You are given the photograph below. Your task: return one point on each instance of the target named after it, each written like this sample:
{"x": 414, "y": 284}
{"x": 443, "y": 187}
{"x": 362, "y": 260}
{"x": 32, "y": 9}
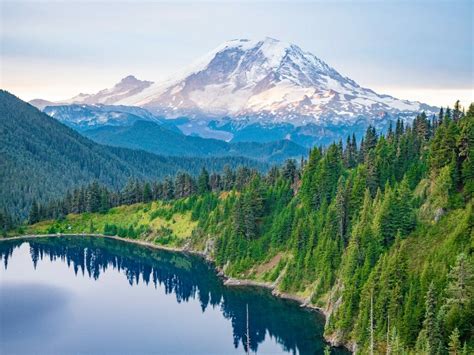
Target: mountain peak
{"x": 132, "y": 80}
{"x": 254, "y": 44}
{"x": 258, "y": 79}
{"x": 129, "y": 79}
{"x": 250, "y": 42}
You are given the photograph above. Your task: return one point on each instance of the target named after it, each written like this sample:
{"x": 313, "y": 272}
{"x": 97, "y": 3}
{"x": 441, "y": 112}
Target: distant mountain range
{"x": 136, "y": 128}
{"x": 264, "y": 84}
{"x": 84, "y": 116}
{"x": 156, "y": 138}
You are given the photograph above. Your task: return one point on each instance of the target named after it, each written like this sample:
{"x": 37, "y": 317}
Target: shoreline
{"x": 227, "y": 280}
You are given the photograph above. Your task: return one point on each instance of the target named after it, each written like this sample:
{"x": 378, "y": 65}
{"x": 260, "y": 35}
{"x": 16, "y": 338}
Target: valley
{"x": 382, "y": 230}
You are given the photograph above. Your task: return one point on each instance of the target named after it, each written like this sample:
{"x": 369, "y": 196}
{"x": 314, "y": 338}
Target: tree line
{"x": 379, "y": 232}
{"x": 96, "y": 197}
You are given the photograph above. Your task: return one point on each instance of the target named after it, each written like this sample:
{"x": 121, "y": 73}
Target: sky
{"x": 418, "y": 50}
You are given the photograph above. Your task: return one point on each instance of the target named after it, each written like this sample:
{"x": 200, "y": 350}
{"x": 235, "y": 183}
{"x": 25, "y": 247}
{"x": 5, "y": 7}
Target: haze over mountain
{"x": 158, "y": 139}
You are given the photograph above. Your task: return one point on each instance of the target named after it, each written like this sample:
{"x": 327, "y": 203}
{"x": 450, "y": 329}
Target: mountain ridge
{"x": 262, "y": 80}
{"x": 157, "y": 139}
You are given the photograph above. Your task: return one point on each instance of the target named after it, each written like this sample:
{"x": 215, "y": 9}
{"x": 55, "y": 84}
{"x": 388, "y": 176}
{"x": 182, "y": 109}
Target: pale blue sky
{"x": 411, "y": 49}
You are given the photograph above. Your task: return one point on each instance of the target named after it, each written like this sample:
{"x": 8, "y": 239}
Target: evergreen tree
{"x": 215, "y": 182}
{"x": 454, "y": 345}
{"x": 6, "y": 222}
{"x": 458, "y": 311}
{"x": 168, "y": 189}
{"x": 440, "y": 116}
{"x": 228, "y": 179}
{"x": 203, "y": 182}
{"x": 457, "y": 111}
{"x": 147, "y": 193}
{"x": 399, "y": 129}
{"x": 370, "y": 141}
{"x": 289, "y": 170}
{"x": 34, "y": 215}
{"x": 93, "y": 196}
{"x": 242, "y": 177}
{"x": 430, "y": 337}
{"x": 465, "y": 145}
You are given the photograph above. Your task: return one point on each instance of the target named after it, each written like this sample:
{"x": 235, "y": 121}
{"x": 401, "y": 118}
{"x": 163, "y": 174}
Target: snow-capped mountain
{"x": 266, "y": 81}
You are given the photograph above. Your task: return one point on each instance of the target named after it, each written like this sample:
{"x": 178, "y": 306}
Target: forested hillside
{"x": 41, "y": 158}
{"x": 379, "y": 235}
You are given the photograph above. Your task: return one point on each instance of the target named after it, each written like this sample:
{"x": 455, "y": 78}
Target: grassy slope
{"x": 180, "y": 224}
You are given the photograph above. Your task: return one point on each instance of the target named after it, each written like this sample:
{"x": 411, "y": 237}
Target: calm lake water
{"x": 90, "y": 295}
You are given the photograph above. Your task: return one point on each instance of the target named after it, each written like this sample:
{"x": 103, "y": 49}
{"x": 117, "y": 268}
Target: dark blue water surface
{"x": 94, "y": 295}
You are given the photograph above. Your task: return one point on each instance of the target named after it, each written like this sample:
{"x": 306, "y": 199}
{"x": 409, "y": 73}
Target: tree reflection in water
{"x": 187, "y": 277}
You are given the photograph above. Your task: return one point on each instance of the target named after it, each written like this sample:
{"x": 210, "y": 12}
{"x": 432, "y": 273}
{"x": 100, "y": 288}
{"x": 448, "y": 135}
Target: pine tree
{"x": 465, "y": 145}
{"x": 396, "y": 347}
{"x": 390, "y": 133}
{"x": 454, "y": 345}
{"x": 6, "y": 222}
{"x": 168, "y": 189}
{"x": 372, "y": 173}
{"x": 242, "y": 177}
{"x": 440, "y": 116}
{"x": 289, "y": 170}
{"x": 147, "y": 193}
{"x": 34, "y": 215}
{"x": 447, "y": 115}
{"x": 457, "y": 112}
{"x": 370, "y": 140}
{"x": 228, "y": 178}
{"x": 309, "y": 187}
{"x": 215, "y": 182}
{"x": 105, "y": 202}
{"x": 93, "y": 197}
{"x": 458, "y": 310}
{"x": 203, "y": 182}
{"x": 372, "y": 330}
{"x": 342, "y": 206}
{"x": 399, "y": 129}
{"x": 430, "y": 323}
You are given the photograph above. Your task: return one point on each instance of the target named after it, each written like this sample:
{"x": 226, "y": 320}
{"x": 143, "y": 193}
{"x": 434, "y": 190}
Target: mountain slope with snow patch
{"x": 266, "y": 81}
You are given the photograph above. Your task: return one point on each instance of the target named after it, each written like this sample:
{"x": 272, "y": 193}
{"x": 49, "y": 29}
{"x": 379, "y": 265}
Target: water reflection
{"x": 186, "y": 277}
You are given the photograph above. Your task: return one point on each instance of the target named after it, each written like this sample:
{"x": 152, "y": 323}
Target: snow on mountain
{"x": 266, "y": 81}
{"x": 83, "y": 116}
{"x": 127, "y": 87}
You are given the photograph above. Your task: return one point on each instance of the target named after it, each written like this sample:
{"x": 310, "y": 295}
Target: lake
{"x": 97, "y": 295}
